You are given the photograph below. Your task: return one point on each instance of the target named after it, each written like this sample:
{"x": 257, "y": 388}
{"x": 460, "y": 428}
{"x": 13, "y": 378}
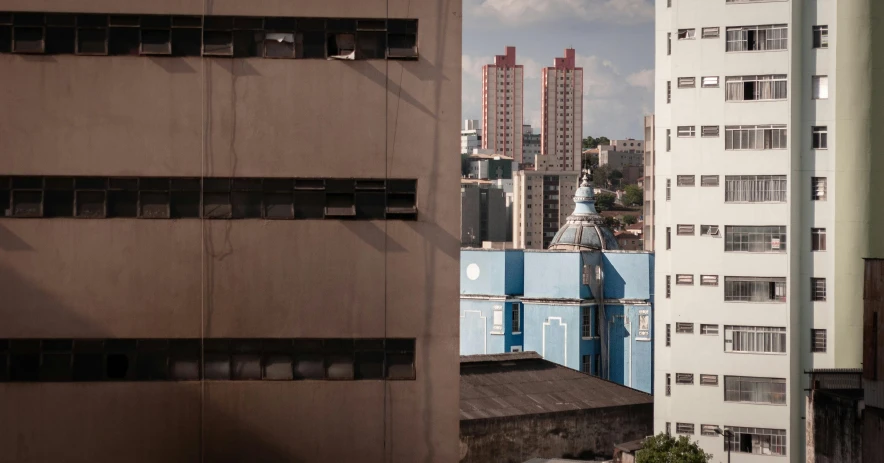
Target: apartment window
{"x": 817, "y": 289}
{"x": 710, "y": 33}
{"x": 684, "y": 279}
{"x": 687, "y": 82}
{"x": 686, "y": 34}
{"x": 668, "y": 287}
{"x": 754, "y": 289}
{"x": 89, "y": 360}
{"x": 685, "y": 230}
{"x": 820, "y": 87}
{"x": 708, "y": 380}
{"x": 755, "y": 88}
{"x": 709, "y": 330}
{"x": 668, "y": 384}
{"x": 817, "y": 239}
{"x": 686, "y": 131}
{"x": 668, "y": 139}
{"x": 587, "y": 364}
{"x": 668, "y": 428}
{"x": 820, "y": 36}
{"x": 708, "y": 180}
{"x": 684, "y": 180}
{"x": 755, "y": 238}
{"x": 709, "y": 280}
{"x": 755, "y": 137}
{"x": 586, "y": 321}
{"x": 817, "y": 340}
{"x": 684, "y": 428}
{"x": 668, "y": 189}
{"x": 708, "y": 429}
{"x": 755, "y": 339}
{"x": 755, "y": 390}
{"x": 668, "y": 237}
{"x": 818, "y": 188}
{"x": 709, "y": 81}
{"x": 756, "y": 440}
{"x": 709, "y": 131}
{"x": 757, "y": 38}
{"x": 684, "y": 378}
{"x": 668, "y": 335}
{"x": 684, "y": 328}
{"x": 755, "y": 189}
{"x": 516, "y": 318}
{"x": 211, "y": 198}
{"x": 820, "y": 138}
{"x": 668, "y": 91}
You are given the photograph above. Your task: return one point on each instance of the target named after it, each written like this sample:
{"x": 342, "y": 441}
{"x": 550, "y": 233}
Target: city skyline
{"x": 614, "y": 44}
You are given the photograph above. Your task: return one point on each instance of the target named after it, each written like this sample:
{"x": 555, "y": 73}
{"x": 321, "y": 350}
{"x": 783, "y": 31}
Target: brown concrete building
{"x": 184, "y": 219}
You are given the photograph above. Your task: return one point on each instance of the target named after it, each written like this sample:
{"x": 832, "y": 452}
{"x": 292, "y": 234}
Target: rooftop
{"x": 523, "y": 383}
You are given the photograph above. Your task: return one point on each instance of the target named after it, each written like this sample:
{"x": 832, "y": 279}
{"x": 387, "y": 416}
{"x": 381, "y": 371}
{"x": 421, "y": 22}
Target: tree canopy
{"x": 604, "y": 201}
{"x": 664, "y": 448}
{"x": 633, "y": 196}
{"x": 630, "y": 219}
{"x": 590, "y": 142}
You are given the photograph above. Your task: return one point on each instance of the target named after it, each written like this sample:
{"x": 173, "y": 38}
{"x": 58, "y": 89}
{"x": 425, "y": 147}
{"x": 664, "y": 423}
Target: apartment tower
{"x": 195, "y": 264}
{"x": 502, "y": 108}
{"x": 648, "y": 186}
{"x": 765, "y": 158}
{"x": 543, "y": 196}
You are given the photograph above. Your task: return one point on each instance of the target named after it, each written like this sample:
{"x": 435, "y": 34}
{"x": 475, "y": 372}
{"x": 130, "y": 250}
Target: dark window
{"x": 61, "y": 39}
{"x": 156, "y": 41}
{"x": 402, "y": 39}
{"x": 186, "y": 42}
{"x": 124, "y": 41}
{"x": 28, "y": 39}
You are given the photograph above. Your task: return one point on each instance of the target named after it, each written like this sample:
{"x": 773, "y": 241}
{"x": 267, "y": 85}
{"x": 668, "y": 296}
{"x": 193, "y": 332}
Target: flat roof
{"x": 523, "y": 383}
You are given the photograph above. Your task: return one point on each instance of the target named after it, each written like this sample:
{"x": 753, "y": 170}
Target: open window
{"x": 5, "y": 32}
{"x": 61, "y": 34}
{"x": 153, "y": 198}
{"x": 308, "y": 360}
{"x": 245, "y": 198}
{"x": 184, "y": 359}
{"x": 216, "y": 198}
{"x": 402, "y": 199}
{"x": 370, "y": 199}
{"x": 152, "y": 361}
{"x": 279, "y": 38}
{"x": 341, "y": 39}
{"x": 309, "y": 198}
{"x": 400, "y": 359}
{"x": 92, "y": 34}
{"x": 245, "y": 359}
{"x": 124, "y": 37}
{"x": 58, "y": 199}
{"x": 185, "y": 198}
{"x": 248, "y": 37}
{"x": 371, "y": 38}
{"x": 187, "y": 35}
{"x": 90, "y": 197}
{"x": 402, "y": 39}
{"x": 27, "y": 197}
{"x": 311, "y": 33}
{"x": 218, "y": 36}
{"x": 122, "y": 197}
{"x": 278, "y": 201}
{"x": 369, "y": 359}
{"x": 339, "y": 359}
{"x": 277, "y": 360}
{"x": 339, "y": 199}
{"x": 216, "y": 359}
{"x": 28, "y": 33}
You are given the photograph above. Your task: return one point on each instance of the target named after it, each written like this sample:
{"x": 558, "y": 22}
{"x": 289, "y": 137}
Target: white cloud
{"x": 643, "y": 79}
{"x": 472, "y": 65}
{"x": 529, "y": 11}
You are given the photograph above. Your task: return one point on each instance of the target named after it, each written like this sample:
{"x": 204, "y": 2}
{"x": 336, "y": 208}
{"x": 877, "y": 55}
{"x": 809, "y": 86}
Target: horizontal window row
{"x": 208, "y": 197}
{"x": 219, "y": 36}
{"x": 750, "y": 188}
{"x": 744, "y": 38}
{"x": 66, "y": 360}
{"x": 758, "y": 441}
{"x": 749, "y": 339}
{"x": 752, "y": 289}
{"x": 755, "y": 137}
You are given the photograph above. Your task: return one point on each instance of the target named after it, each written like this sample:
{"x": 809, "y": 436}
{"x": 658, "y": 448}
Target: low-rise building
{"x": 628, "y": 241}
{"x": 516, "y": 406}
{"x": 483, "y": 212}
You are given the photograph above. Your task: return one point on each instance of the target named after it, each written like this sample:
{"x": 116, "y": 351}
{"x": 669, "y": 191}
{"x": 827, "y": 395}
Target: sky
{"x": 614, "y": 40}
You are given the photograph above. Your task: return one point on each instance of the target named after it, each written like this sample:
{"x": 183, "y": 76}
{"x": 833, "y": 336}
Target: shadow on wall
{"x": 615, "y": 285}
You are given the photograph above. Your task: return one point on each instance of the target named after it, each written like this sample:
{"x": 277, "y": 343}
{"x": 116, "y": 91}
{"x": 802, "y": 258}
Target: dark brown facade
{"x": 209, "y": 278}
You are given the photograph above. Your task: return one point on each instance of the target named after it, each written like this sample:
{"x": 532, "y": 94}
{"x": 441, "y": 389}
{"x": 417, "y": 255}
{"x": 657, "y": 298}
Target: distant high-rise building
{"x": 562, "y": 115}
{"x": 649, "y": 181}
{"x": 502, "y": 95}
{"x": 768, "y": 118}
{"x": 470, "y": 136}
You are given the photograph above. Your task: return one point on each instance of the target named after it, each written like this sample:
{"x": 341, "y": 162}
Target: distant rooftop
{"x": 523, "y": 383}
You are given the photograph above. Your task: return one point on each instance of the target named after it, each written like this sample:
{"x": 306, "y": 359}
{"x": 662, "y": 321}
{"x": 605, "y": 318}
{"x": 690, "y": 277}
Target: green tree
{"x": 602, "y": 141}
{"x": 589, "y": 142}
{"x": 630, "y": 219}
{"x": 614, "y": 177}
{"x": 600, "y": 176}
{"x": 664, "y": 448}
{"x": 634, "y": 196}
{"x": 604, "y": 201}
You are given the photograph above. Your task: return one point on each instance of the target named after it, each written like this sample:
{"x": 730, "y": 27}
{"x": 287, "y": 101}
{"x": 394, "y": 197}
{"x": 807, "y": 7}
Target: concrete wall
{"x": 582, "y": 434}
{"x": 97, "y": 115}
{"x": 834, "y": 428}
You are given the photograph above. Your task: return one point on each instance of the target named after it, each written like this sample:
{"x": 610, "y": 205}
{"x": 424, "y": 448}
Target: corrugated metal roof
{"x": 523, "y": 383}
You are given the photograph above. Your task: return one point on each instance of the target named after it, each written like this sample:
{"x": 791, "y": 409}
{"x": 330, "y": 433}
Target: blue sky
{"x": 614, "y": 40}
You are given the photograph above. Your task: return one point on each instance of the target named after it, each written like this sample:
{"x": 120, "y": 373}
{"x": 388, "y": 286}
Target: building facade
{"x": 483, "y": 214}
{"x": 502, "y": 99}
{"x": 583, "y": 303}
{"x": 648, "y": 185}
{"x": 530, "y": 145}
{"x": 470, "y": 136}
{"x": 764, "y": 211}
{"x": 195, "y": 263}
{"x": 541, "y": 204}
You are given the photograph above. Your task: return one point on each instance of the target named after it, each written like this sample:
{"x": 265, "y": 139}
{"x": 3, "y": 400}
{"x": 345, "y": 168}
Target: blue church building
{"x": 582, "y": 303}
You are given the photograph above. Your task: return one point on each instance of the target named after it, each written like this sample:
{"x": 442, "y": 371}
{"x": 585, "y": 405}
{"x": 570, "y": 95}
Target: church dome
{"x": 584, "y": 230}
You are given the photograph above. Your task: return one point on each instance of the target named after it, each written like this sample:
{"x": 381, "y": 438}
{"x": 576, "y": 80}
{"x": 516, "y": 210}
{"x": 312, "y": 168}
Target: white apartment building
{"x": 502, "y": 100}
{"x": 470, "y": 136}
{"x": 629, "y": 145}
{"x": 764, "y": 158}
